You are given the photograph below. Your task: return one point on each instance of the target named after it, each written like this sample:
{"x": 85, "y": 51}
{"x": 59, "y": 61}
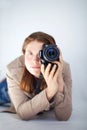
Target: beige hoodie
{"x": 26, "y": 105}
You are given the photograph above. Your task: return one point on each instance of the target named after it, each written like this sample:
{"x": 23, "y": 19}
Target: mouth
{"x": 35, "y": 67}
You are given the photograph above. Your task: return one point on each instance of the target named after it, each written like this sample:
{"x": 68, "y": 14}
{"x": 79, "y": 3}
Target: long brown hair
{"x": 28, "y": 80}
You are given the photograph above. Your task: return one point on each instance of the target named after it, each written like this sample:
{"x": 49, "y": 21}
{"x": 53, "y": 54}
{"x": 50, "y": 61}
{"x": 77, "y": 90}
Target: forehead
{"x": 34, "y": 45}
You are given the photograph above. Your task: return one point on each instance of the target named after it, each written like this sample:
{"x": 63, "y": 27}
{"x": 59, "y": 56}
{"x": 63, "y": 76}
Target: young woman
{"x": 56, "y": 84}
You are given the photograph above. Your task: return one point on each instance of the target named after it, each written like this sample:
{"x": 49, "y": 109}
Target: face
{"x": 32, "y": 60}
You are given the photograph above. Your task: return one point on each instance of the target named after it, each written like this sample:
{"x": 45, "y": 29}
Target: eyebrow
{"x": 31, "y": 51}
{"x": 28, "y": 50}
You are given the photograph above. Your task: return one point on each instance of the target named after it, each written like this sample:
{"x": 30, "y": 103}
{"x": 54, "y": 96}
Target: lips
{"x": 35, "y": 67}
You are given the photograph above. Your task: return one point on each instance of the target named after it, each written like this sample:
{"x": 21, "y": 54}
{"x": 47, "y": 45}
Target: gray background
{"x": 65, "y": 20}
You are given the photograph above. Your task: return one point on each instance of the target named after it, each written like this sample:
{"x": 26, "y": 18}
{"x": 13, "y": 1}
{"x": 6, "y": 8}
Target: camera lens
{"x": 51, "y": 53}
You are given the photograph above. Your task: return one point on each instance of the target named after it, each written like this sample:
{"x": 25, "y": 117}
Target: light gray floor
{"x": 78, "y": 120}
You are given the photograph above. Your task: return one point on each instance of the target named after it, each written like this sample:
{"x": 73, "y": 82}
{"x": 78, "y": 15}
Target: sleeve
{"x": 25, "y": 107}
{"x": 63, "y": 102}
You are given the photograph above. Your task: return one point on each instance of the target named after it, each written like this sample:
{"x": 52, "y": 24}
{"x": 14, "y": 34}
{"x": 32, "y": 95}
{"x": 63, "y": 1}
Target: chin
{"x": 36, "y": 74}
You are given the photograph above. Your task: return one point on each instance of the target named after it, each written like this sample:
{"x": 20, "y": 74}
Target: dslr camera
{"x": 49, "y": 53}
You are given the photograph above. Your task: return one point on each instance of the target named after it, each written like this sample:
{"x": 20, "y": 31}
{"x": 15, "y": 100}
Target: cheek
{"x": 27, "y": 60}
{"x": 27, "y": 57}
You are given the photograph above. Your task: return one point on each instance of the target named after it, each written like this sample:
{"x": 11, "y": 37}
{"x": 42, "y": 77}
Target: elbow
{"x": 63, "y": 115}
{"x": 63, "y": 118}
{"x": 24, "y": 115}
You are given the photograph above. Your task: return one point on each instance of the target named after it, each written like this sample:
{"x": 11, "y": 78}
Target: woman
{"x": 23, "y": 75}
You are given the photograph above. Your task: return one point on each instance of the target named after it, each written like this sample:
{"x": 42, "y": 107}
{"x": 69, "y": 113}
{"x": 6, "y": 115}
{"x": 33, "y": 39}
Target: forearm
{"x": 63, "y": 105}
{"x": 30, "y": 108}
{"x": 60, "y": 89}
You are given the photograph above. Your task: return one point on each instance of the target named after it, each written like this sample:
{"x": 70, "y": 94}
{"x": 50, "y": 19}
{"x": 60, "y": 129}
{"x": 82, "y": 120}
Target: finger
{"x": 61, "y": 62}
{"x": 54, "y": 68}
{"x": 42, "y": 68}
{"x": 47, "y": 70}
{"x": 59, "y": 70}
{"x": 55, "y": 62}
{"x": 56, "y": 73}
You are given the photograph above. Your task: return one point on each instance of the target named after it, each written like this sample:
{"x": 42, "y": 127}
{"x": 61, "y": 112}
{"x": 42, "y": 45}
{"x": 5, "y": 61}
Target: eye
{"x": 29, "y": 52}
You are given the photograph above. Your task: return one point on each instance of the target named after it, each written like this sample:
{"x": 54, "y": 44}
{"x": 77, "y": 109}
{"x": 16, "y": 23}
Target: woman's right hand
{"x": 51, "y": 78}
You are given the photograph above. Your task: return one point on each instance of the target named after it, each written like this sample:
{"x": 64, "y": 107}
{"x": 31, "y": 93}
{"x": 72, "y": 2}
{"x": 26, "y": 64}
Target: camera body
{"x": 49, "y": 53}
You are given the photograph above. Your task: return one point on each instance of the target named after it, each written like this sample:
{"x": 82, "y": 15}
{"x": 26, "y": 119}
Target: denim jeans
{"x": 4, "y": 97}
